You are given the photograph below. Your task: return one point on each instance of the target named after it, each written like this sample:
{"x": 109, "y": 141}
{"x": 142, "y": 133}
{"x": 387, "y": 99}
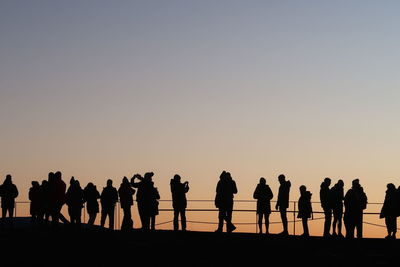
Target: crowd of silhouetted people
{"x": 48, "y": 198}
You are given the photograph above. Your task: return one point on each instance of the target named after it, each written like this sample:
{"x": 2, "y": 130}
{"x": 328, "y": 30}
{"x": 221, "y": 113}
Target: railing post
{"x": 294, "y": 217}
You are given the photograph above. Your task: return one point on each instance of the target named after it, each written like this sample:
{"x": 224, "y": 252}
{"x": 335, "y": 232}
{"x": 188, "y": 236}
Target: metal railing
{"x": 241, "y": 207}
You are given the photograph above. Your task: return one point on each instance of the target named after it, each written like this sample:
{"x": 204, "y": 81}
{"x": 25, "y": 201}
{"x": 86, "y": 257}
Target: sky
{"x": 108, "y": 89}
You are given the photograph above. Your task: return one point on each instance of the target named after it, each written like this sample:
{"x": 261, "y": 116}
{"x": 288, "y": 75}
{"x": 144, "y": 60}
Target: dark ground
{"x": 100, "y": 247}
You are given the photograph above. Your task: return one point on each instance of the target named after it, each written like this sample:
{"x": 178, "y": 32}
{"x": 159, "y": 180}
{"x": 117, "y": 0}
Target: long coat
{"x": 263, "y": 194}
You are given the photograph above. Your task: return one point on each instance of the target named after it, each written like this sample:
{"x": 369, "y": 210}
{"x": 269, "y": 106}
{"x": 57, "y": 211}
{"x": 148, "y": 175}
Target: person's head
{"x": 340, "y": 183}
{"x": 177, "y": 178}
{"x": 391, "y": 187}
{"x": 90, "y": 185}
{"x": 355, "y": 183}
{"x": 109, "y": 182}
{"x": 77, "y": 183}
{"x": 125, "y": 180}
{"x": 72, "y": 180}
{"x": 148, "y": 176}
{"x": 222, "y": 175}
{"x": 327, "y": 181}
{"x": 58, "y": 176}
{"x": 228, "y": 176}
{"x": 35, "y": 183}
{"x": 51, "y": 177}
{"x": 302, "y": 189}
{"x": 8, "y": 179}
{"x": 262, "y": 180}
{"x": 281, "y": 178}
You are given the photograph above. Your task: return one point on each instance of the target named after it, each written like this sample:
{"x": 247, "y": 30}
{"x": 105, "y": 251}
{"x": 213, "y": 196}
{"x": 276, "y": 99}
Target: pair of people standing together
{"x": 263, "y": 194}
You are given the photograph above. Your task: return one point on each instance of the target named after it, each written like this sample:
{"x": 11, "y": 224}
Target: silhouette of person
{"x": 179, "y": 202}
{"x": 263, "y": 194}
{"x": 305, "y": 209}
{"x": 390, "y": 210}
{"x": 35, "y": 198}
{"x": 337, "y": 195}
{"x": 91, "y": 195}
{"x": 155, "y": 196}
{"x": 74, "y": 200}
{"x": 326, "y": 205}
{"x": 44, "y": 208}
{"x": 8, "y": 193}
{"x": 283, "y": 202}
{"x": 355, "y": 201}
{"x": 57, "y": 189}
{"x": 126, "y": 193}
{"x": 108, "y": 199}
{"x": 146, "y": 199}
{"x": 226, "y": 188}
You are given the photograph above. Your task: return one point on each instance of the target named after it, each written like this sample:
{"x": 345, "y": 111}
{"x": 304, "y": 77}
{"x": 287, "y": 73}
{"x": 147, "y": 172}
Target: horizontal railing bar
{"x": 210, "y": 200}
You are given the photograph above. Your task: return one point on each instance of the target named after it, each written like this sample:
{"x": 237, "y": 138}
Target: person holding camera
{"x": 179, "y": 202}
{"x": 147, "y": 197}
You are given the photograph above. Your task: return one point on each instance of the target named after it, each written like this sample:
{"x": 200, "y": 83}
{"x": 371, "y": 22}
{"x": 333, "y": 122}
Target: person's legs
{"x": 127, "y": 217}
{"x": 229, "y": 225}
{"x": 183, "y": 219}
{"x": 176, "y": 219}
{"x": 79, "y": 216}
{"x": 359, "y": 225}
{"x": 305, "y": 226}
{"x": 388, "y": 226}
{"x": 71, "y": 215}
{"x": 335, "y": 222}
{"x": 143, "y": 216}
{"x": 111, "y": 218}
{"x": 11, "y": 212}
{"x": 284, "y": 221}
{"x": 350, "y": 224}
{"x": 221, "y": 217}
{"x": 266, "y": 216}
{"x": 327, "y": 223}
{"x": 92, "y": 218}
{"x": 153, "y": 222}
{"x": 260, "y": 218}
{"x": 103, "y": 217}
{"x": 394, "y": 227}
{"x": 340, "y": 219}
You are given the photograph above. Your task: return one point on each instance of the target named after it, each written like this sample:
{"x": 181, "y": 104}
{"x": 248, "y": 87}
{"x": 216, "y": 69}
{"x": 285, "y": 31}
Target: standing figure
{"x": 126, "y": 193}
{"x": 108, "y": 198}
{"x": 35, "y": 198}
{"x": 390, "y": 211}
{"x": 91, "y": 195}
{"x": 337, "y": 196}
{"x": 226, "y": 188}
{"x": 74, "y": 199}
{"x": 179, "y": 202}
{"x": 57, "y": 189}
{"x": 305, "y": 209}
{"x": 326, "y": 205}
{"x": 283, "y": 202}
{"x": 45, "y": 211}
{"x": 263, "y": 194}
{"x": 355, "y": 201}
{"x": 154, "y": 198}
{"x": 145, "y": 198}
{"x": 8, "y": 193}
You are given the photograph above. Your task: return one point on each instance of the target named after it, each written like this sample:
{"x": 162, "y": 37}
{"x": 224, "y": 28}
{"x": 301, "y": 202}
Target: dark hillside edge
{"x": 101, "y": 247}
